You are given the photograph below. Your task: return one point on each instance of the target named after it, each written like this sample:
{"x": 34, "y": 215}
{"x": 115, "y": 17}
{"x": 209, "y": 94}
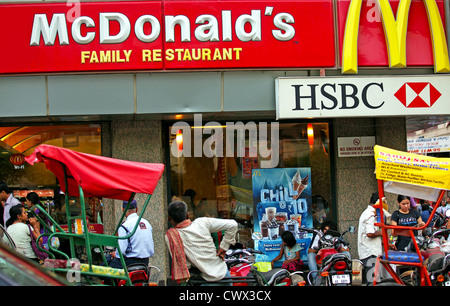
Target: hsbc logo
{"x": 417, "y": 94}
{"x": 364, "y": 96}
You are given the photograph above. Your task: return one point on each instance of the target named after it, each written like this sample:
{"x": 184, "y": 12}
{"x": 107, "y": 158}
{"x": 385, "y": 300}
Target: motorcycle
{"x": 243, "y": 273}
{"x": 436, "y": 252}
{"x": 140, "y": 274}
{"x": 240, "y": 262}
{"x": 440, "y": 222}
{"x": 335, "y": 268}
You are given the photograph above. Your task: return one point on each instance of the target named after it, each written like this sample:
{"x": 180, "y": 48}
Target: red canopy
{"x": 99, "y": 176}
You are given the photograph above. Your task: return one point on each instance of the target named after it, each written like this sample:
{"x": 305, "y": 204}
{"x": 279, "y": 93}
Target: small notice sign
{"x": 355, "y": 146}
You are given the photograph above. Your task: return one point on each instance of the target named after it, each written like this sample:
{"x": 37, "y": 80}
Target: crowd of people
{"x": 186, "y": 239}
{"x": 411, "y": 212}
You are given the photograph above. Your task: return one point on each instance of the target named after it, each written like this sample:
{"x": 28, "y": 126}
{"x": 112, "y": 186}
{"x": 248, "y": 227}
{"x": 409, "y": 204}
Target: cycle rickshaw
{"x": 86, "y": 175}
{"x": 413, "y": 175}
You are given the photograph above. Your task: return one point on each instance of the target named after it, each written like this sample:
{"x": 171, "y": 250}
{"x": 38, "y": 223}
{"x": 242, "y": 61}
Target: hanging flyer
{"x": 282, "y": 201}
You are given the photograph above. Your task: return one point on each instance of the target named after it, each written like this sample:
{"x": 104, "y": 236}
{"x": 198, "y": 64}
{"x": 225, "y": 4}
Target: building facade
{"x": 178, "y": 81}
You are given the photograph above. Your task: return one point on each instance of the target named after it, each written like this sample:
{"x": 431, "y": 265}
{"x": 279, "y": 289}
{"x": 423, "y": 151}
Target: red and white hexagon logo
{"x": 417, "y": 94}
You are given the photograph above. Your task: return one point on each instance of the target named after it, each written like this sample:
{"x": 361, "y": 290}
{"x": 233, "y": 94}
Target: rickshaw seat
{"x": 402, "y": 256}
{"x": 103, "y": 270}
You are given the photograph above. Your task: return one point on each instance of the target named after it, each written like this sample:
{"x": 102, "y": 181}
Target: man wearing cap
{"x": 139, "y": 247}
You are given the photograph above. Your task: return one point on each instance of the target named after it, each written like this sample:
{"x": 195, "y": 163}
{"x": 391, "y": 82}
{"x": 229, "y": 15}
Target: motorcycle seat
{"x": 137, "y": 267}
{"x": 436, "y": 262}
{"x": 402, "y": 256}
{"x": 272, "y": 275}
{"x": 336, "y": 256}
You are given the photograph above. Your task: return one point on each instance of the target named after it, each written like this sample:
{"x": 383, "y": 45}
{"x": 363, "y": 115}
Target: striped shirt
{"x": 199, "y": 245}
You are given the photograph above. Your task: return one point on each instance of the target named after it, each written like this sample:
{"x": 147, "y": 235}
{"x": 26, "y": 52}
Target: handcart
{"x": 413, "y": 175}
{"x": 85, "y": 175}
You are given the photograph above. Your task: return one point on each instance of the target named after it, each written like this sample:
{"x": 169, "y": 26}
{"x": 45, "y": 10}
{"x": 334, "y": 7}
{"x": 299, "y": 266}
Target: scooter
{"x": 243, "y": 273}
{"x": 335, "y": 268}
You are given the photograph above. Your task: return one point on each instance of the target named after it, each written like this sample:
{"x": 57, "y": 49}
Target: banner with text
{"x": 409, "y": 168}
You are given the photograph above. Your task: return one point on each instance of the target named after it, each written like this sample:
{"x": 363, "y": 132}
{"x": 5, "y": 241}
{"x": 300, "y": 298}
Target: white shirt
{"x": 20, "y": 234}
{"x": 369, "y": 246}
{"x": 315, "y": 242}
{"x": 199, "y": 245}
{"x": 141, "y": 242}
{"x": 442, "y": 209}
{"x": 10, "y": 202}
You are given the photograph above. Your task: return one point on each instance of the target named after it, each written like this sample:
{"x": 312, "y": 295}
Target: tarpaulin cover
{"x": 98, "y": 176}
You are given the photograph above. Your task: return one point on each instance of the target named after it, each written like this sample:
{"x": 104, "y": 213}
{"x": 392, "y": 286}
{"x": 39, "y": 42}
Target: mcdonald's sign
{"x": 17, "y": 159}
{"x": 415, "y": 36}
{"x": 189, "y": 35}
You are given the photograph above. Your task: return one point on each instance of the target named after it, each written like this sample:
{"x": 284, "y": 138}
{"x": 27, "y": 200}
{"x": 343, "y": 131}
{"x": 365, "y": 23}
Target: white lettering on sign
{"x": 247, "y": 27}
{"x": 57, "y": 27}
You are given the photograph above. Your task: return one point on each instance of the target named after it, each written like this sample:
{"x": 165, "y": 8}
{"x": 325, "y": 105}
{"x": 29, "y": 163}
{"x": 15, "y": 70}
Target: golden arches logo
{"x": 395, "y": 29}
{"x": 17, "y": 159}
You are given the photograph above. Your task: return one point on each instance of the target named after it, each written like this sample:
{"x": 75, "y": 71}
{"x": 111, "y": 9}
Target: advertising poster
{"x": 282, "y": 202}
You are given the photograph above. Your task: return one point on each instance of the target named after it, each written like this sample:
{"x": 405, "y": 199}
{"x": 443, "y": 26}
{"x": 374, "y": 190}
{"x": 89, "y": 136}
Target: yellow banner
{"x": 409, "y": 168}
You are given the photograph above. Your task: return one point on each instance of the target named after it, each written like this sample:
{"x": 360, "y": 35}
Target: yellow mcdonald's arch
{"x": 395, "y": 33}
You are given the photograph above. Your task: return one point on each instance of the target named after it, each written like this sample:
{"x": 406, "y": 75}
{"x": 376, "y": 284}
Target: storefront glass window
{"x": 22, "y": 178}
{"x": 211, "y": 166}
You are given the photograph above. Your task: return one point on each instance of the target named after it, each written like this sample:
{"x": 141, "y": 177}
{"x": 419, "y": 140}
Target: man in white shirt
{"x": 7, "y": 200}
{"x": 191, "y": 244}
{"x": 444, "y": 206}
{"x": 139, "y": 247}
{"x": 370, "y": 238}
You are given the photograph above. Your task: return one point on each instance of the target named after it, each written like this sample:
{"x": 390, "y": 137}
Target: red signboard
{"x": 164, "y": 35}
{"x": 192, "y": 35}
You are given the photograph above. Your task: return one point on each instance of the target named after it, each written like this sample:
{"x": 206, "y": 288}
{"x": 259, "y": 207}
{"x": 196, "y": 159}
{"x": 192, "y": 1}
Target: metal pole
{"x": 447, "y": 21}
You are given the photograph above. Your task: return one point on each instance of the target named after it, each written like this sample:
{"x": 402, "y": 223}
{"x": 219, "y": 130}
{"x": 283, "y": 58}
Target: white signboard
{"x": 362, "y": 96}
{"x": 429, "y": 145}
{"x": 355, "y": 146}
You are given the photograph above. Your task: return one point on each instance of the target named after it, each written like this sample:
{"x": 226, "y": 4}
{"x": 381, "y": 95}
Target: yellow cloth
{"x": 263, "y": 266}
{"x": 102, "y": 270}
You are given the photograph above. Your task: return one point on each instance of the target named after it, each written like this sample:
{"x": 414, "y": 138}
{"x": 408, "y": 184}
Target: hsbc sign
{"x": 363, "y": 96}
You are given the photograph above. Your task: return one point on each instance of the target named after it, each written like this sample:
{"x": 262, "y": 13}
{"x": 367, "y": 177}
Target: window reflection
{"x": 16, "y": 142}
{"x": 221, "y": 186}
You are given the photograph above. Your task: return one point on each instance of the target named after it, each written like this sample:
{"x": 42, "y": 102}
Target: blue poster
{"x": 282, "y": 201}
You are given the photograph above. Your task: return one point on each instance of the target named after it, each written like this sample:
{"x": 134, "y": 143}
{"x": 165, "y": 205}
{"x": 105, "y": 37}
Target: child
{"x": 291, "y": 251}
